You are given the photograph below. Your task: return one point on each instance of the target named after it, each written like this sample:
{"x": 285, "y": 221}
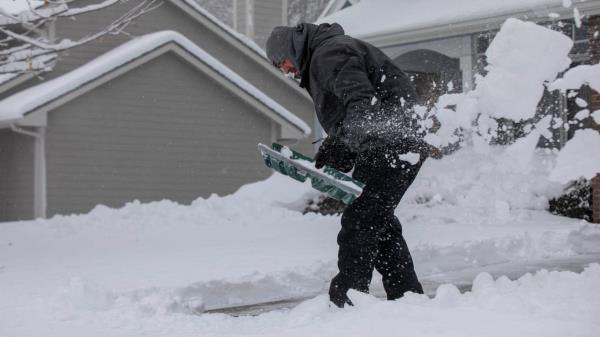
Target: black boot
{"x": 338, "y": 292}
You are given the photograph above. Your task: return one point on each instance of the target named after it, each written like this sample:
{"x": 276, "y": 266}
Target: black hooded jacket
{"x": 360, "y": 96}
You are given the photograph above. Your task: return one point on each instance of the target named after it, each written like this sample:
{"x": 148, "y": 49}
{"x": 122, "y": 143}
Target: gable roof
{"x": 238, "y": 40}
{"x": 242, "y": 42}
{"x": 440, "y": 16}
{"x": 246, "y": 41}
{"x": 70, "y": 85}
{"x": 336, "y": 5}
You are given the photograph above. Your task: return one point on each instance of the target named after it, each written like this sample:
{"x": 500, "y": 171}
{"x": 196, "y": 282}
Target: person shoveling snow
{"x": 364, "y": 103}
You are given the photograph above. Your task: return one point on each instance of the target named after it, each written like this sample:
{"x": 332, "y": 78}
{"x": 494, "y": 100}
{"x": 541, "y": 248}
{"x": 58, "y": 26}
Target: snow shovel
{"x": 297, "y": 166}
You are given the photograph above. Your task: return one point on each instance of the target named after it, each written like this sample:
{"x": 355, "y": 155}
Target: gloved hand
{"x": 335, "y": 153}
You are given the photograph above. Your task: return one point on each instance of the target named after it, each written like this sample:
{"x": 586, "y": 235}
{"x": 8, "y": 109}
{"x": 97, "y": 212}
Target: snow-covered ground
{"x": 143, "y": 269}
{"x": 139, "y": 270}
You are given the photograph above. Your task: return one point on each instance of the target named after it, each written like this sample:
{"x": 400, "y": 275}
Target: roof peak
{"x": 18, "y": 105}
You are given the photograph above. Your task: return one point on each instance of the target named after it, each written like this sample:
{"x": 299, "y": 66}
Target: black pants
{"x": 371, "y": 235}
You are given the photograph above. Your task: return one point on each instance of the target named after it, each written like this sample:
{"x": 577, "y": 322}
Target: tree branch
{"x": 60, "y": 10}
{"x": 90, "y": 8}
{"x": 27, "y": 50}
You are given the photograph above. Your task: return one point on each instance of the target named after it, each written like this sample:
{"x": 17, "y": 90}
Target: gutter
{"x": 390, "y": 38}
{"x": 39, "y": 166}
{"x": 25, "y": 132}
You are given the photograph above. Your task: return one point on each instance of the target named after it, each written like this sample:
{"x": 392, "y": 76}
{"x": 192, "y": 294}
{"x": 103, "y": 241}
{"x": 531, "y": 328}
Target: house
{"x": 174, "y": 113}
{"x": 442, "y": 44}
{"x": 257, "y": 18}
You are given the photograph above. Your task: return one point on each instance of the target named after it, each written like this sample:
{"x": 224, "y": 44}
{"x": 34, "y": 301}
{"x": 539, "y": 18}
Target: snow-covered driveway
{"x": 138, "y": 270}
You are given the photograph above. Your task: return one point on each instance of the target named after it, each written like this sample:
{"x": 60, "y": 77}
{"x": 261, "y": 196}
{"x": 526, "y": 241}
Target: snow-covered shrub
{"x": 575, "y": 202}
{"x": 324, "y": 205}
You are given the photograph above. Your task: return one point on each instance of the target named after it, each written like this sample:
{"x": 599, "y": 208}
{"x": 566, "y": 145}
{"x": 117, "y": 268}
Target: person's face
{"x": 288, "y": 68}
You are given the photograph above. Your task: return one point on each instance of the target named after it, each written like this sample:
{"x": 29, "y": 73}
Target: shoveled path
{"x": 462, "y": 279}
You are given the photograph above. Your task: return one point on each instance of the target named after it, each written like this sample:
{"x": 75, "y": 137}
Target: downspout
{"x": 39, "y": 163}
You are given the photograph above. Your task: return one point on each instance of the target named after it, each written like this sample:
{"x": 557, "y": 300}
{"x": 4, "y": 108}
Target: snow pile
{"x": 522, "y": 57}
{"x": 575, "y": 161}
{"x": 543, "y": 304}
{"x": 143, "y": 268}
{"x": 278, "y": 191}
{"x": 585, "y": 239}
{"x": 578, "y": 76}
{"x": 471, "y": 179}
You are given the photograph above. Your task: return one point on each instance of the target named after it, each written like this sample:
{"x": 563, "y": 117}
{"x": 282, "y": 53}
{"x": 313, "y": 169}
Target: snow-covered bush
{"x": 575, "y": 202}
{"x": 324, "y": 205}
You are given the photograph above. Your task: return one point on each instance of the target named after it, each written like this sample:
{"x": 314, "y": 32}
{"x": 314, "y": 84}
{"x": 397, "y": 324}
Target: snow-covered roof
{"x": 241, "y": 37}
{"x": 18, "y": 105}
{"x": 390, "y": 16}
{"x": 244, "y": 42}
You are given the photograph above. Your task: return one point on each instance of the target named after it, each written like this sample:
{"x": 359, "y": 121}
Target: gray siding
{"x": 241, "y": 16}
{"x": 16, "y": 176}
{"x": 267, "y": 14}
{"x": 170, "y": 17}
{"x": 162, "y": 130}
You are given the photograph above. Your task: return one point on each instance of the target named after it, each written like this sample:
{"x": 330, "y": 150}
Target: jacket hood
{"x": 298, "y": 43}
{"x": 310, "y": 37}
